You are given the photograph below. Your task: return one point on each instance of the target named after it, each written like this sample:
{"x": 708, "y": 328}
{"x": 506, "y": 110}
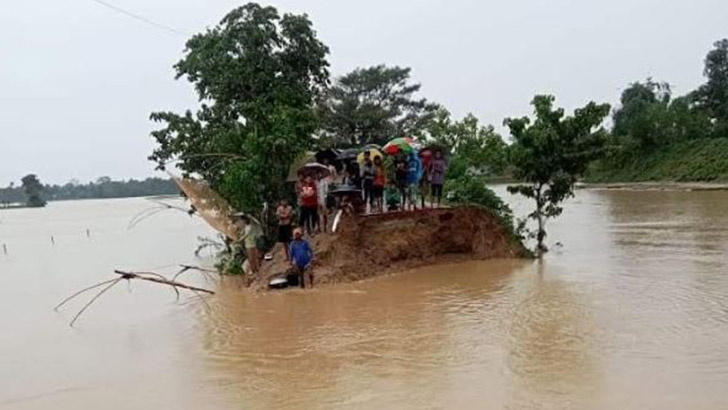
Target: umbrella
{"x": 315, "y": 170}
{"x": 330, "y": 154}
{"x": 350, "y": 153}
{"x": 373, "y": 152}
{"x": 399, "y": 145}
{"x": 303, "y": 159}
{"x": 372, "y": 146}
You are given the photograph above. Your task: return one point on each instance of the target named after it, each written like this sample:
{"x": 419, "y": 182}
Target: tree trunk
{"x": 541, "y": 234}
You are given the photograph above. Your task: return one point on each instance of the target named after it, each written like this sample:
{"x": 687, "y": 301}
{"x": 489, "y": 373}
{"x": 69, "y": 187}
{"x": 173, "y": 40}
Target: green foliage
{"x": 550, "y": 153}
{"x": 472, "y": 190}
{"x": 230, "y": 259}
{"x": 105, "y": 187}
{"x": 102, "y": 188}
{"x": 373, "y": 105}
{"x": 694, "y": 160}
{"x": 473, "y": 148}
{"x": 33, "y": 191}
{"x": 11, "y": 195}
{"x": 642, "y": 121}
{"x": 257, "y": 75}
{"x": 712, "y": 97}
{"x": 649, "y": 119}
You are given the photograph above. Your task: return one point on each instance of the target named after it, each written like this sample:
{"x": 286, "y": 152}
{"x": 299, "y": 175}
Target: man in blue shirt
{"x": 301, "y": 256}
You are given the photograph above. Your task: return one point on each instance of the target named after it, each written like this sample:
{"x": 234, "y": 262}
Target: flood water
{"x": 629, "y": 311}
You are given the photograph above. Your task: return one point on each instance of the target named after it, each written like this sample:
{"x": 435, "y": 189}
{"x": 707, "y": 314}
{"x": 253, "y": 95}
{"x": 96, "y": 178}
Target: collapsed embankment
{"x": 373, "y": 245}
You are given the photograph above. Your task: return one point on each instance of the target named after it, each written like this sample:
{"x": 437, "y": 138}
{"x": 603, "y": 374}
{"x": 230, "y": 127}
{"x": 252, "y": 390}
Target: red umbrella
{"x": 398, "y": 145}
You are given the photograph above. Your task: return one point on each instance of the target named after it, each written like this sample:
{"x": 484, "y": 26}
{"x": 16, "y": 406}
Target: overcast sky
{"x": 78, "y": 80}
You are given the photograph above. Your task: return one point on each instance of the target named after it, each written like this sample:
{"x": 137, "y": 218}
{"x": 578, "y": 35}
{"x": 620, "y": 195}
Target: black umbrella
{"x": 348, "y": 154}
{"x": 330, "y": 154}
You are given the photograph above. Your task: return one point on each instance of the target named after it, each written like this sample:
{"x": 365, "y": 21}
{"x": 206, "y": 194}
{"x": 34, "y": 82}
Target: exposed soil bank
{"x": 373, "y": 245}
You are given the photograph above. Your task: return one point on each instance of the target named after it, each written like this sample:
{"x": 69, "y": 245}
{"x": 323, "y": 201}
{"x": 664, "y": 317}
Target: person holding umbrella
{"x": 309, "y": 204}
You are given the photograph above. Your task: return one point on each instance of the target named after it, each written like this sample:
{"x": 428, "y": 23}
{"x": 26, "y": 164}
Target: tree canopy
{"x": 33, "y": 191}
{"x": 373, "y": 105}
{"x": 551, "y": 151}
{"x": 473, "y": 146}
{"x": 713, "y": 95}
{"x": 257, "y": 74}
{"x": 103, "y": 187}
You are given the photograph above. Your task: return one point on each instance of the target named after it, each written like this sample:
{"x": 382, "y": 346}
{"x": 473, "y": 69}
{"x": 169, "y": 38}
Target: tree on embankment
{"x": 550, "y": 152}
{"x": 652, "y": 128}
{"x": 257, "y": 74}
{"x": 712, "y": 97}
{"x": 33, "y": 191}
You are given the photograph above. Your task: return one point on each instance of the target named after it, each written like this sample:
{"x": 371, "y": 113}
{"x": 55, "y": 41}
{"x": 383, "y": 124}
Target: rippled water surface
{"x": 628, "y": 311}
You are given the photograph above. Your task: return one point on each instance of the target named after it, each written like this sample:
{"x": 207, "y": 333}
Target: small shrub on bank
{"x": 472, "y": 190}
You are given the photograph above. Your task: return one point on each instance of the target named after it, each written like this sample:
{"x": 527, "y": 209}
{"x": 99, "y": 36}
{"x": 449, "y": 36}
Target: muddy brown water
{"x": 629, "y": 312}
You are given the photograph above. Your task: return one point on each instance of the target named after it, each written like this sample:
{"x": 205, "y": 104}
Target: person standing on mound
{"x": 438, "y": 168}
{"x": 301, "y": 257}
{"x": 284, "y": 213}
{"x": 309, "y": 205}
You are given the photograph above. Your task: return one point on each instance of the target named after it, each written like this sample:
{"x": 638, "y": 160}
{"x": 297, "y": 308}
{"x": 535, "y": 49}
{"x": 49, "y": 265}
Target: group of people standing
{"x": 411, "y": 177}
{"x": 314, "y": 201}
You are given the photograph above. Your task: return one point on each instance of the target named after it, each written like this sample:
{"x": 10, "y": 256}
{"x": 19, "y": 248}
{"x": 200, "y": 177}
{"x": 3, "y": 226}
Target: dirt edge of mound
{"x": 375, "y": 245}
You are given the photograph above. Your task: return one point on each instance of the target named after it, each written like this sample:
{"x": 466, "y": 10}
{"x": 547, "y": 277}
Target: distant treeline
{"x": 102, "y": 188}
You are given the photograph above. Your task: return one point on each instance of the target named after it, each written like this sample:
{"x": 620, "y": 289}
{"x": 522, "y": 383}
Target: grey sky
{"x": 78, "y": 81}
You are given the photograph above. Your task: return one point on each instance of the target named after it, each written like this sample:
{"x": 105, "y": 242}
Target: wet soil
{"x": 373, "y": 245}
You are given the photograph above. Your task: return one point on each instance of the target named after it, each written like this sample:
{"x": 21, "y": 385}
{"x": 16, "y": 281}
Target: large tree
{"x": 551, "y": 151}
{"x": 649, "y": 118}
{"x": 641, "y": 122}
{"x": 373, "y": 105}
{"x": 257, "y": 75}
{"x": 33, "y": 191}
{"x": 713, "y": 95}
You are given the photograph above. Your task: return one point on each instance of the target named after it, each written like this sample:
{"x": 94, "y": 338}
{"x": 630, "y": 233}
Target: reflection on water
{"x": 632, "y": 312}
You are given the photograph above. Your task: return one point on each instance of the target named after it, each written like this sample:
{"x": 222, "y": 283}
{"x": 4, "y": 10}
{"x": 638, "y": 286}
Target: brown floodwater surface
{"x": 628, "y": 311}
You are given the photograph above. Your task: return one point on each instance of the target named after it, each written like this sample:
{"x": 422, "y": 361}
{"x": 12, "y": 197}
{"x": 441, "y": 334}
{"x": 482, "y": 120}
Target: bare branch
{"x": 98, "y": 295}
{"x": 68, "y": 299}
{"x": 132, "y": 275}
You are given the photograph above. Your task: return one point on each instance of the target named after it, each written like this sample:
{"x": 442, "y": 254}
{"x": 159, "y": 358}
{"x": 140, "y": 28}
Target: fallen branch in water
{"x": 187, "y": 268}
{"x": 145, "y": 276}
{"x": 139, "y": 275}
